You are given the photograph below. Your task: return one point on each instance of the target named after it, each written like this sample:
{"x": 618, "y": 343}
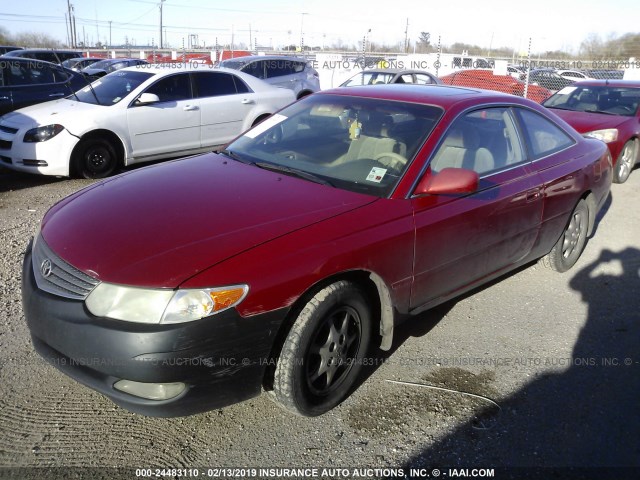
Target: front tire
{"x": 323, "y": 353}
{"x": 626, "y": 161}
{"x": 95, "y": 158}
{"x": 567, "y": 250}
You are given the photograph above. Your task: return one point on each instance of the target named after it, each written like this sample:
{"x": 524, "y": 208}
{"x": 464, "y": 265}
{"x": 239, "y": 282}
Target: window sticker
{"x": 376, "y": 174}
{"x": 566, "y": 90}
{"x": 272, "y": 121}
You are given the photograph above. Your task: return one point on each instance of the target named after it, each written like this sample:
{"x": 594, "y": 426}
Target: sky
{"x": 550, "y": 24}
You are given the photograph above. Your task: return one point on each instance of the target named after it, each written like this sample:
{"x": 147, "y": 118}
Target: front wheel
{"x": 567, "y": 250}
{"x": 95, "y": 158}
{"x": 323, "y": 353}
{"x": 626, "y": 161}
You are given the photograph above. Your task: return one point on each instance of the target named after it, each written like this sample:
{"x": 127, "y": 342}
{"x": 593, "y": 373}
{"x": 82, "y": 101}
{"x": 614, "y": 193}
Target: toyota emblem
{"x": 46, "y": 267}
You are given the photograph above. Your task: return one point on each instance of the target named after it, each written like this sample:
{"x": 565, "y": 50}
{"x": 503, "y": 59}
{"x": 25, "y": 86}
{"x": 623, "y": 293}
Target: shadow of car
{"x": 608, "y": 110}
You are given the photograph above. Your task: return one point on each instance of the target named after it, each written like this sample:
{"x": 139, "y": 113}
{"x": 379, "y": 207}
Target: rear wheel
{"x": 323, "y": 353}
{"x": 626, "y": 161}
{"x": 567, "y": 250}
{"x": 95, "y": 158}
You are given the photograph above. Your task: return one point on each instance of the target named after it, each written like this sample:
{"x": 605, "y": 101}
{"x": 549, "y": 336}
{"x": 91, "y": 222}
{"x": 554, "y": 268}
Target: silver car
{"x": 282, "y": 71}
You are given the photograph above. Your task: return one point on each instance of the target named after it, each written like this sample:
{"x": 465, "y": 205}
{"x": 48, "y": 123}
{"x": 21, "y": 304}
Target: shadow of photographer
{"x": 583, "y": 422}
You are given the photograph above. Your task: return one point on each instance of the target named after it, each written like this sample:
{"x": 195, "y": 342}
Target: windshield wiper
{"x": 235, "y": 156}
{"x": 294, "y": 172}
{"x": 600, "y": 111}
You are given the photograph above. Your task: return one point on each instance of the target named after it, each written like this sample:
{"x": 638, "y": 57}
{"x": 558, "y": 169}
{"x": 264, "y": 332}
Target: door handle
{"x": 533, "y": 194}
{"x": 190, "y": 108}
{"x": 57, "y": 95}
{"x": 247, "y": 101}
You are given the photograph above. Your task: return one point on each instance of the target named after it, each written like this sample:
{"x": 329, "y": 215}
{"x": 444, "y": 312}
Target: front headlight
{"x": 156, "y": 306}
{"x": 42, "y": 134}
{"x": 607, "y": 135}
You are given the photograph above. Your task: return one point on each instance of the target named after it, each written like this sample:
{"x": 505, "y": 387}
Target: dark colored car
{"x": 78, "y": 64}
{"x": 6, "y": 48}
{"x": 500, "y": 83}
{"x": 101, "y": 68}
{"x": 391, "y": 75}
{"x": 608, "y": 110}
{"x": 25, "y": 82}
{"x": 278, "y": 262}
{"x": 47, "y": 55}
{"x": 549, "y": 79}
{"x": 281, "y": 71}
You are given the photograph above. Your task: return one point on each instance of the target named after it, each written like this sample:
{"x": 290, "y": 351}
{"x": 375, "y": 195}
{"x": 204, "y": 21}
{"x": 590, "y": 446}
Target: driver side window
{"x": 172, "y": 88}
{"x": 485, "y": 141}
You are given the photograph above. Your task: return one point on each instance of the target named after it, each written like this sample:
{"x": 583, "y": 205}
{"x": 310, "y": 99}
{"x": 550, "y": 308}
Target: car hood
{"x": 587, "y": 121}
{"x": 161, "y": 225}
{"x": 56, "y": 111}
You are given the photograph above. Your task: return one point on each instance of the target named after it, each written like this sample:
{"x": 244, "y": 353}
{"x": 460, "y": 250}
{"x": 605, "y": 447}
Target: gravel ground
{"x": 553, "y": 360}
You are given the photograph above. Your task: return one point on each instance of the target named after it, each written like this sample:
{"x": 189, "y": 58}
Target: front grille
{"x": 5, "y": 129}
{"x": 55, "y": 276}
{"x": 5, "y": 144}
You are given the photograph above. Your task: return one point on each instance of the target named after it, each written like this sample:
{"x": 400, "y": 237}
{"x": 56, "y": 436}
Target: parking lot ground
{"x": 538, "y": 369}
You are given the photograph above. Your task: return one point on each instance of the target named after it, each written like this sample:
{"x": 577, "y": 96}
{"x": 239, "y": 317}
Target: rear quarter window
{"x": 543, "y": 136}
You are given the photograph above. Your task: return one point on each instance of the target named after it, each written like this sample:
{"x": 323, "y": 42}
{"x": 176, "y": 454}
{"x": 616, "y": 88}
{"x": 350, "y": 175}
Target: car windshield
{"x": 600, "y": 99}
{"x": 102, "y": 64}
{"x": 235, "y": 64}
{"x": 359, "y": 144}
{"x": 369, "y": 78}
{"x": 112, "y": 88}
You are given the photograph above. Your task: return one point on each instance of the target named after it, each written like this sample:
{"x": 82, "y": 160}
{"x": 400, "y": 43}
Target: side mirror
{"x": 146, "y": 98}
{"x": 448, "y": 181}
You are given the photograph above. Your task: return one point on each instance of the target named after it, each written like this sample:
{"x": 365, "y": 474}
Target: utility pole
{"x": 406, "y": 37}
{"x": 110, "y": 34}
{"x": 161, "y": 2}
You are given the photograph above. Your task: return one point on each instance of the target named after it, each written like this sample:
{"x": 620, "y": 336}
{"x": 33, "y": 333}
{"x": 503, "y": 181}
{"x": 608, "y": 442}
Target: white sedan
{"x": 135, "y": 115}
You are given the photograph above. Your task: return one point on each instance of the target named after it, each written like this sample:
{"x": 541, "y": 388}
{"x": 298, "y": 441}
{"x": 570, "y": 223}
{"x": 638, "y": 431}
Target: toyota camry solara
{"x": 283, "y": 261}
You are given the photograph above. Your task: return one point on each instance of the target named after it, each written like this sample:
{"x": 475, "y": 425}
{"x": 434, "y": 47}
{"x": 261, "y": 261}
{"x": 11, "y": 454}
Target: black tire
{"x": 626, "y": 161}
{"x": 567, "y": 250}
{"x": 95, "y": 158}
{"x": 323, "y": 353}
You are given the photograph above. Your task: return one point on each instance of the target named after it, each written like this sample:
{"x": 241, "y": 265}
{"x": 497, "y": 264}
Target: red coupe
{"x": 277, "y": 263}
{"x": 608, "y": 110}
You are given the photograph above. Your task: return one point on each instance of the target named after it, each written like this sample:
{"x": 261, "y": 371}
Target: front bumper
{"x": 47, "y": 158}
{"x": 221, "y": 359}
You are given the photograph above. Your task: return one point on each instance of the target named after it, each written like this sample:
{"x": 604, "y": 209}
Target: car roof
{"x": 250, "y": 58}
{"x": 393, "y": 71}
{"x": 38, "y": 50}
{"x": 610, "y": 83}
{"x": 164, "y": 69}
{"x": 442, "y": 95}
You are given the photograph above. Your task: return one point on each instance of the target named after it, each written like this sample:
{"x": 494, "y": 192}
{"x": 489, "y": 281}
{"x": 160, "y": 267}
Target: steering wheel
{"x": 394, "y": 160}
